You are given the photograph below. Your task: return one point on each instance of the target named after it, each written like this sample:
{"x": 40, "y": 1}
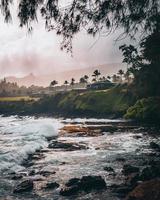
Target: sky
{"x": 39, "y": 53}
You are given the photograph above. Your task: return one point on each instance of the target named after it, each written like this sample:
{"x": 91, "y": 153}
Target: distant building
{"x": 101, "y": 85}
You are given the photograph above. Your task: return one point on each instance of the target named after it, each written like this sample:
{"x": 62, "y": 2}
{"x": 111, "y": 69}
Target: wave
{"x": 20, "y": 137}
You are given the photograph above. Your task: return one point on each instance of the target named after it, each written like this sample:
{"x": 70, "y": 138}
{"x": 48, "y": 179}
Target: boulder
{"x": 155, "y": 146}
{"x": 128, "y": 169}
{"x": 24, "y": 186}
{"x": 46, "y": 173}
{"x": 86, "y": 183}
{"x": 52, "y": 185}
{"x": 66, "y": 146}
{"x": 149, "y": 190}
{"x": 108, "y": 169}
{"x": 150, "y": 172}
{"x": 68, "y": 191}
{"x": 73, "y": 181}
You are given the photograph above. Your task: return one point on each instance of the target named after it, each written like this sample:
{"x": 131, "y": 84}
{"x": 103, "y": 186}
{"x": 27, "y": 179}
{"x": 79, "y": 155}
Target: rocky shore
{"x": 91, "y": 161}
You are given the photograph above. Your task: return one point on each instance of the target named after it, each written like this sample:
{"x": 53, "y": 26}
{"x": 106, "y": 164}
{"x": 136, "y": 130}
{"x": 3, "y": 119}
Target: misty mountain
{"x": 44, "y": 80}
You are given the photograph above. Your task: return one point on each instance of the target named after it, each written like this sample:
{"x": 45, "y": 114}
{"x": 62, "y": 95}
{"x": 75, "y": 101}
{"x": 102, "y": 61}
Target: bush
{"x": 146, "y": 109}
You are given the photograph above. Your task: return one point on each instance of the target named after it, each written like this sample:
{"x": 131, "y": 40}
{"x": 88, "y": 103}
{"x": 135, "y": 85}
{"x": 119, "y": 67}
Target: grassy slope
{"x": 113, "y": 101}
{"x": 15, "y": 99}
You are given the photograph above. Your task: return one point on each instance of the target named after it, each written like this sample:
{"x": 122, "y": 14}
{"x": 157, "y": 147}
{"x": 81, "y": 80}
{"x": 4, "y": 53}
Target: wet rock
{"x": 68, "y": 191}
{"x": 133, "y": 179}
{"x": 146, "y": 191}
{"x": 120, "y": 159}
{"x": 24, "y": 186}
{"x": 110, "y": 129}
{"x": 17, "y": 176}
{"x": 155, "y": 146}
{"x": 150, "y": 172}
{"x": 128, "y": 169}
{"x": 32, "y": 173}
{"x": 72, "y": 182}
{"x": 122, "y": 191}
{"x": 82, "y": 131}
{"x": 108, "y": 169}
{"x": 66, "y": 146}
{"x": 52, "y": 185}
{"x": 45, "y": 173}
{"x": 86, "y": 183}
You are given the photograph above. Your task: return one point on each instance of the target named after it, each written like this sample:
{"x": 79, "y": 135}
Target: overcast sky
{"x": 39, "y": 53}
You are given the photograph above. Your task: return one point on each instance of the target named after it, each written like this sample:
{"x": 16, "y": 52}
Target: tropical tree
{"x": 53, "y": 83}
{"x": 66, "y": 82}
{"x": 82, "y": 80}
{"x": 96, "y": 74}
{"x": 109, "y": 77}
{"x": 86, "y": 78}
{"x": 121, "y": 73}
{"x": 115, "y": 78}
{"x": 127, "y": 76}
{"x": 103, "y": 78}
{"x": 72, "y": 81}
{"x": 101, "y": 17}
{"x": 94, "y": 80}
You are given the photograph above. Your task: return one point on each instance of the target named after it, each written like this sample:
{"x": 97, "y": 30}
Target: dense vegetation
{"x": 146, "y": 110}
{"x": 111, "y": 103}
{"x": 102, "y": 17}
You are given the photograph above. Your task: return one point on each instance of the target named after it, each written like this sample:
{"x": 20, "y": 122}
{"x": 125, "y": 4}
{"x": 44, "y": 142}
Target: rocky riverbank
{"x": 90, "y": 160}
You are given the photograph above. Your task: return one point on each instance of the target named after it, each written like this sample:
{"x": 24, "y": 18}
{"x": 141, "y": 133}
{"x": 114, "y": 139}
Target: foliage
{"x": 96, "y": 16}
{"x": 146, "y": 109}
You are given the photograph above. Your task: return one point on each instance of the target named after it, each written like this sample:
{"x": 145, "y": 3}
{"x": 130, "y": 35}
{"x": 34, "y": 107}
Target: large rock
{"x": 150, "y": 172}
{"x": 66, "y": 146}
{"x": 82, "y": 131}
{"x": 128, "y": 169}
{"x": 86, "y": 183}
{"x": 24, "y": 186}
{"x": 155, "y": 146}
{"x": 51, "y": 185}
{"x": 149, "y": 190}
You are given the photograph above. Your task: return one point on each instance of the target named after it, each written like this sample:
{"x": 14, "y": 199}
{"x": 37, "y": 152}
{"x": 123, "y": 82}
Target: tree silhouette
{"x": 53, "y": 83}
{"x": 95, "y": 17}
{"x": 121, "y": 73}
{"x": 82, "y": 80}
{"x": 66, "y": 82}
{"x": 86, "y": 78}
{"x": 72, "y": 81}
{"x": 96, "y": 74}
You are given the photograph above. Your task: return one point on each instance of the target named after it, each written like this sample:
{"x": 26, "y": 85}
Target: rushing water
{"x": 20, "y": 137}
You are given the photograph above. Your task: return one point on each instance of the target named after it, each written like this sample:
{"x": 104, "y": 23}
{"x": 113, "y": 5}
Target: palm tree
{"x": 109, "y": 78}
{"x": 86, "y": 78}
{"x": 82, "y": 80}
{"x": 66, "y": 83}
{"x": 96, "y": 74}
{"x": 72, "y": 81}
{"x": 115, "y": 78}
{"x": 53, "y": 83}
{"x": 127, "y": 76}
{"x": 94, "y": 80}
{"x": 121, "y": 73}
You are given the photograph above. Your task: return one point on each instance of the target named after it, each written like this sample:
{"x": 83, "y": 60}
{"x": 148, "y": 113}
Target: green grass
{"x": 112, "y": 101}
{"x": 18, "y": 98}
